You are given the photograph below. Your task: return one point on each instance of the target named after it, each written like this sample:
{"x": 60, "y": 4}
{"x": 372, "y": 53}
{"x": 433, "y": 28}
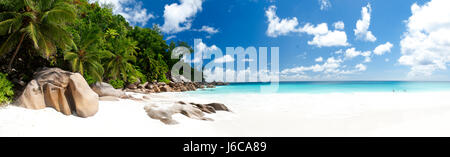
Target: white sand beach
{"x": 338, "y": 114}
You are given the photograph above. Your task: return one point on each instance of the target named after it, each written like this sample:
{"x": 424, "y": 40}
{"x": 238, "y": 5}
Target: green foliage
{"x": 111, "y": 33}
{"x": 132, "y": 78}
{"x": 6, "y": 92}
{"x": 89, "y": 79}
{"x": 117, "y": 84}
{"x": 39, "y": 22}
{"x": 85, "y": 55}
{"x": 120, "y": 63}
{"x": 83, "y": 37}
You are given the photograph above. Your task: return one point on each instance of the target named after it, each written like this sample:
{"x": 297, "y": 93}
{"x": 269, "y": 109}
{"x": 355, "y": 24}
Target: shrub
{"x": 6, "y": 91}
{"x": 89, "y": 79}
{"x": 117, "y": 84}
{"x": 132, "y": 78}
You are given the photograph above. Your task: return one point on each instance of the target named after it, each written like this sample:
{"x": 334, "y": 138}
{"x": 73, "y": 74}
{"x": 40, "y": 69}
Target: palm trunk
{"x": 17, "y": 50}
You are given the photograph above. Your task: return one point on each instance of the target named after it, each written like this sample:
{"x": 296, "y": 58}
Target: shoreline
{"x": 338, "y": 114}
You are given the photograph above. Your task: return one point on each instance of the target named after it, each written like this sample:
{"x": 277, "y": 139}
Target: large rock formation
{"x": 66, "y": 92}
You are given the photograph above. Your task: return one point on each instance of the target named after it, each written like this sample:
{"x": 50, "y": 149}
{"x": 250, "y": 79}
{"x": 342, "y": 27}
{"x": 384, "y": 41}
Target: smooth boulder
{"x": 64, "y": 91}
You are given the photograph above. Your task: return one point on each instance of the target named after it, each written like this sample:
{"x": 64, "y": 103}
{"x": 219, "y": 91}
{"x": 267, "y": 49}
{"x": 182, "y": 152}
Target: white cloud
{"x": 362, "y": 25}
{"x": 178, "y": 17}
{"x": 224, "y": 59}
{"x": 339, "y": 25}
{"x": 208, "y": 29}
{"x": 279, "y": 26}
{"x": 352, "y": 53}
{"x": 131, "y": 10}
{"x": 383, "y": 48}
{"x": 171, "y": 37}
{"x": 425, "y": 45}
{"x": 361, "y": 67}
{"x": 324, "y": 4}
{"x": 324, "y": 37}
{"x": 330, "y": 66}
{"x": 332, "y": 38}
{"x": 320, "y": 59}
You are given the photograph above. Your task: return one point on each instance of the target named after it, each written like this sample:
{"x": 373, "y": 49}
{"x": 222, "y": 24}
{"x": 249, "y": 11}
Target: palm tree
{"x": 39, "y": 21}
{"x": 85, "y": 55}
{"x": 119, "y": 64}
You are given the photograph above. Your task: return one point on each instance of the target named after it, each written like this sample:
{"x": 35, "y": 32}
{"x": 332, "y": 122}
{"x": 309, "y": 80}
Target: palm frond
{"x": 70, "y": 56}
{"x": 75, "y": 65}
{"x": 33, "y": 34}
{"x": 59, "y": 14}
{"x": 57, "y": 35}
{"x": 30, "y": 3}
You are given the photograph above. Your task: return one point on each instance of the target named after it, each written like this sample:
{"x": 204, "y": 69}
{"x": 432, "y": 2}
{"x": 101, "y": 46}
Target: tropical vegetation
{"x": 78, "y": 36}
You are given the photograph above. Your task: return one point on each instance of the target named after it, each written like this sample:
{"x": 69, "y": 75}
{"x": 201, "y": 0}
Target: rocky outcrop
{"x": 204, "y": 108}
{"x": 179, "y": 85}
{"x": 179, "y": 78}
{"x": 64, "y": 91}
{"x": 104, "y": 89}
{"x": 164, "y": 114}
{"x": 218, "y": 107}
{"x": 191, "y": 110}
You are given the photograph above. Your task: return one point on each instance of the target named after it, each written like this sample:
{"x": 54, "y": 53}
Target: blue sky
{"x": 247, "y": 23}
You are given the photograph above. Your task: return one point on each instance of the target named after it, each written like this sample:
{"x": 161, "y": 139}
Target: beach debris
{"x": 64, "y": 91}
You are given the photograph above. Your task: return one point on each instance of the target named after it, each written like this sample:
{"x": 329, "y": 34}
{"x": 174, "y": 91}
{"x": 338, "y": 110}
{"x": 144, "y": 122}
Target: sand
{"x": 335, "y": 114}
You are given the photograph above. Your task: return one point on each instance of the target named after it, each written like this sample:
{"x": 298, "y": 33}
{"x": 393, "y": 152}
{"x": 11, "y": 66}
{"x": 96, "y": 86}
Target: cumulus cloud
{"x": 383, "y": 48}
{"x": 352, "y": 53}
{"x": 330, "y": 66}
{"x": 208, "y": 29}
{"x": 425, "y": 45}
{"x": 131, "y": 10}
{"x": 362, "y": 26}
{"x": 178, "y": 17}
{"x": 279, "y": 26}
{"x": 361, "y": 67}
{"x": 320, "y": 59}
{"x": 324, "y": 4}
{"x": 324, "y": 37}
{"x": 339, "y": 25}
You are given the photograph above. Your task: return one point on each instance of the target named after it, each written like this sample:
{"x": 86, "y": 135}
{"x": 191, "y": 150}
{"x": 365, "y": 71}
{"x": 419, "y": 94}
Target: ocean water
{"x": 321, "y": 87}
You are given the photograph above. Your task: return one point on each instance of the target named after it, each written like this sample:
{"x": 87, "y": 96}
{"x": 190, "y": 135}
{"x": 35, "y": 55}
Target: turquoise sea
{"x": 318, "y": 87}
